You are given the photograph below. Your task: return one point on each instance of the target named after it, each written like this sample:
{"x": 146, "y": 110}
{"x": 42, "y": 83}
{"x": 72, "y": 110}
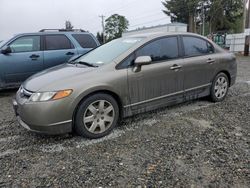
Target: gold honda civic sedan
{"x": 122, "y": 78}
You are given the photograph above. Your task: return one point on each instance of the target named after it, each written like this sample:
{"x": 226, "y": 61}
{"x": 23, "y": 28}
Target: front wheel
{"x": 219, "y": 88}
{"x": 96, "y": 116}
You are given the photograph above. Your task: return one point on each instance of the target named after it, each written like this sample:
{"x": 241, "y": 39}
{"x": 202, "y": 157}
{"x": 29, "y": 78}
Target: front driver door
{"x": 25, "y": 59}
{"x": 159, "y": 83}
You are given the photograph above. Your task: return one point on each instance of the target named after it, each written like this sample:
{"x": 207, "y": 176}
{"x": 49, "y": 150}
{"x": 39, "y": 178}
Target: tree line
{"x": 219, "y": 15}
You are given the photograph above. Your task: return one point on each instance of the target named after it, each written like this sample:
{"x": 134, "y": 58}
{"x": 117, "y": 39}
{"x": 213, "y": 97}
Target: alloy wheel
{"x": 221, "y": 87}
{"x": 99, "y": 116}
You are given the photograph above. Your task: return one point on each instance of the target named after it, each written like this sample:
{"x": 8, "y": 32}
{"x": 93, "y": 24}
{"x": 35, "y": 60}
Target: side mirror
{"x": 143, "y": 60}
{"x": 6, "y": 50}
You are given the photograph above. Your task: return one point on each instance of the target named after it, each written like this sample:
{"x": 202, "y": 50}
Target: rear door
{"x": 58, "y": 49}
{"x": 161, "y": 82}
{"x": 25, "y": 59}
{"x": 199, "y": 65}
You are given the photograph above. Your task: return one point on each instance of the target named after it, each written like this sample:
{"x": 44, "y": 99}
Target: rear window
{"x": 57, "y": 42}
{"x": 194, "y": 46}
{"x": 85, "y": 41}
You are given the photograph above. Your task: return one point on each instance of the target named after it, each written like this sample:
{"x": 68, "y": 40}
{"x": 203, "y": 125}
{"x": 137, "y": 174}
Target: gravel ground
{"x": 196, "y": 144}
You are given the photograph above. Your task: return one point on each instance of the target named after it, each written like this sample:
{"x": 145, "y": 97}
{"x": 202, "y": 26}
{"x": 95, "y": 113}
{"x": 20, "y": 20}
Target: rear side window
{"x": 57, "y": 42}
{"x": 85, "y": 40}
{"x": 26, "y": 44}
{"x": 160, "y": 50}
{"x": 194, "y": 46}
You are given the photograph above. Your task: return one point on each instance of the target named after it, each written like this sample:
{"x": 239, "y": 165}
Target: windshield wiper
{"x": 87, "y": 64}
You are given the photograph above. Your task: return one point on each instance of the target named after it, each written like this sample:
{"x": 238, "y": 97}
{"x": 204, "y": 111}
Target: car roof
{"x": 154, "y": 35}
{"x": 53, "y": 33}
{"x": 161, "y": 34}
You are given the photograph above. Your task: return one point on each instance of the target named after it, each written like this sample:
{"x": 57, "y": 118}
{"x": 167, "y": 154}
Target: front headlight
{"x": 46, "y": 96}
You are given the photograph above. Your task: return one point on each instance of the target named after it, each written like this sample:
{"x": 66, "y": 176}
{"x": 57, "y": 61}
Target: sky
{"x": 20, "y": 16}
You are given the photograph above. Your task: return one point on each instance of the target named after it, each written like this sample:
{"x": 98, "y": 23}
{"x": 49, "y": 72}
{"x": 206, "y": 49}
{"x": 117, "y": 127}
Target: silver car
{"x": 122, "y": 78}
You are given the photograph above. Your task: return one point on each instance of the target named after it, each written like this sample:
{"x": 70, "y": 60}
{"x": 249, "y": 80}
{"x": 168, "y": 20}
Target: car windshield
{"x": 108, "y": 52}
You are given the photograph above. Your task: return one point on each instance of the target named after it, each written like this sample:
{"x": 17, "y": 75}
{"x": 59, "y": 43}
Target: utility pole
{"x": 248, "y": 16}
{"x": 103, "y": 28}
{"x": 246, "y": 25}
{"x": 244, "y": 15}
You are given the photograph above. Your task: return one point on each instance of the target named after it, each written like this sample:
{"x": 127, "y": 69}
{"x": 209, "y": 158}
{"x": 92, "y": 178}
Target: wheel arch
{"x": 106, "y": 91}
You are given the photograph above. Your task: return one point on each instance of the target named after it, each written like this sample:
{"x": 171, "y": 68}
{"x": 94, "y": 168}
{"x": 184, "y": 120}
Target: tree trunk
{"x": 195, "y": 28}
{"x": 191, "y": 24}
{"x": 210, "y": 26}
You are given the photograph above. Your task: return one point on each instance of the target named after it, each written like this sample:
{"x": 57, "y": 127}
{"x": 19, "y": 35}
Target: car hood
{"x": 58, "y": 73}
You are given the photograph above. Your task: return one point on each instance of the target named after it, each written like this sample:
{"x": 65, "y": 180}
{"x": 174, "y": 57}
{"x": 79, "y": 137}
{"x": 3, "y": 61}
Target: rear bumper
{"x": 50, "y": 129}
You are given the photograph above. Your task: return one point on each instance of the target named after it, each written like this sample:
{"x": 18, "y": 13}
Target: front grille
{"x": 25, "y": 93}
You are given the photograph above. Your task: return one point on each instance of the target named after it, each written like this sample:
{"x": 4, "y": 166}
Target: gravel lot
{"x": 196, "y": 144}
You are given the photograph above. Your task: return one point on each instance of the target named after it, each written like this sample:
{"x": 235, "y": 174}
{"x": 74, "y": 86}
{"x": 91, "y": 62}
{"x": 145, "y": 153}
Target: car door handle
{"x": 70, "y": 53}
{"x": 175, "y": 67}
{"x": 210, "y": 61}
{"x": 34, "y": 56}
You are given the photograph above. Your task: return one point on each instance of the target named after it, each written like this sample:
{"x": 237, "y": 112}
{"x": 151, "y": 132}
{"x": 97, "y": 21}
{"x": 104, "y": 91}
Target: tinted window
{"x": 85, "y": 40}
{"x": 194, "y": 46}
{"x": 26, "y": 44}
{"x": 57, "y": 42}
{"x": 161, "y": 49}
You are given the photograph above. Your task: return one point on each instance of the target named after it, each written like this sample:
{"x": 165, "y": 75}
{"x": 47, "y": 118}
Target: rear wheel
{"x": 96, "y": 116}
{"x": 219, "y": 87}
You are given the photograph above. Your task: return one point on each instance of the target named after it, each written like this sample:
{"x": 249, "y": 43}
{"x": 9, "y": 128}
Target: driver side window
{"x": 160, "y": 50}
{"x": 26, "y": 44}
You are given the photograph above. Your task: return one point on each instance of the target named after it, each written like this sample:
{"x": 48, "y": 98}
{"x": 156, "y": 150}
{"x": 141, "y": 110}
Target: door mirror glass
{"x": 143, "y": 60}
{"x": 6, "y": 50}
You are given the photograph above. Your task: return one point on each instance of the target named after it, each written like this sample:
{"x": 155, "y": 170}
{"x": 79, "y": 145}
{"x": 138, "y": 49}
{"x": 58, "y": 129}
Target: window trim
{"x": 44, "y": 42}
{"x": 8, "y": 44}
{"x": 191, "y": 36}
{"x": 118, "y": 67}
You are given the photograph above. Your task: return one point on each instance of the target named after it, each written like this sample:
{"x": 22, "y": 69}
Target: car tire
{"x": 219, "y": 88}
{"x": 96, "y": 116}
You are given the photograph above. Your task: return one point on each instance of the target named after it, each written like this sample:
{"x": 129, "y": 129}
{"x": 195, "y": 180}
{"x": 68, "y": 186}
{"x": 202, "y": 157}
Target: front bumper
{"x": 39, "y": 119}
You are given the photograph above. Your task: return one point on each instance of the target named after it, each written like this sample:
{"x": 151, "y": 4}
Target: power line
{"x": 146, "y": 16}
{"x": 149, "y": 22}
{"x": 114, "y": 10}
{"x": 122, "y": 7}
{"x": 138, "y": 18}
{"x": 129, "y": 4}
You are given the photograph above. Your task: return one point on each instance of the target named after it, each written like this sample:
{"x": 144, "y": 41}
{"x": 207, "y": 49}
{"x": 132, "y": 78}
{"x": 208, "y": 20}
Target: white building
{"x": 236, "y": 42}
{"x": 172, "y": 27}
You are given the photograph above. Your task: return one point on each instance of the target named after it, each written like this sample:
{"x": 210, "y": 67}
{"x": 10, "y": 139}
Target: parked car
{"x": 26, "y": 54}
{"x": 122, "y": 78}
